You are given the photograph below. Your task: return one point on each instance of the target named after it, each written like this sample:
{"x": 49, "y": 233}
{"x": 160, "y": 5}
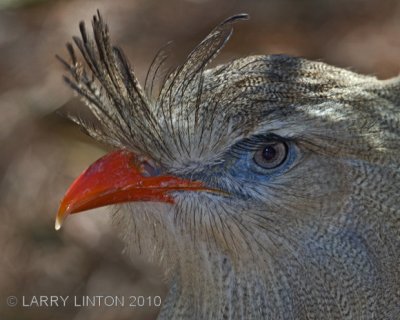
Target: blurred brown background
{"x": 41, "y": 153}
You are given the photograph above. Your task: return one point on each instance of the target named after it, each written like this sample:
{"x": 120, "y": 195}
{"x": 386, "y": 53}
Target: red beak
{"x": 120, "y": 177}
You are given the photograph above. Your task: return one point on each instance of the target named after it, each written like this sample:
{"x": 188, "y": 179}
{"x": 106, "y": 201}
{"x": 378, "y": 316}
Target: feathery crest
{"x": 127, "y": 118}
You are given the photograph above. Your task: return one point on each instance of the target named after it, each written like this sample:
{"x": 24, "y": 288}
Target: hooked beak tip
{"x": 58, "y": 224}
{"x": 63, "y": 212}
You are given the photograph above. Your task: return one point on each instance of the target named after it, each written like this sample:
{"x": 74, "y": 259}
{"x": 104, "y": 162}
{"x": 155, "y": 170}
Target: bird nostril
{"x": 149, "y": 169}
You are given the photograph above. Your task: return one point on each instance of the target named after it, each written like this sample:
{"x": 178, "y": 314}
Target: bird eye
{"x": 271, "y": 155}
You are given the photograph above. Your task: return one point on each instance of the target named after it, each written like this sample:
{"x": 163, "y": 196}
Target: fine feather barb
{"x": 155, "y": 68}
{"x": 202, "y": 55}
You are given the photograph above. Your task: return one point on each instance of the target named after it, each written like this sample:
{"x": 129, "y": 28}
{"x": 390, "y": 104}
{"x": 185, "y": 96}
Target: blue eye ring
{"x": 271, "y": 155}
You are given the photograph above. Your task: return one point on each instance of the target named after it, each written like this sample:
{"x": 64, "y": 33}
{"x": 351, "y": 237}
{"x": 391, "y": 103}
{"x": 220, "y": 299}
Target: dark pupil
{"x": 269, "y": 153}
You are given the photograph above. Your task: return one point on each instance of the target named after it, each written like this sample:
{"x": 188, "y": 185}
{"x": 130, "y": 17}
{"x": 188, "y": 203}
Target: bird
{"x": 266, "y": 187}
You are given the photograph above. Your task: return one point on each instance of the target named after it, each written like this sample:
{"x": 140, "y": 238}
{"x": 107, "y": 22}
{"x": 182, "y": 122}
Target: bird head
{"x": 243, "y": 161}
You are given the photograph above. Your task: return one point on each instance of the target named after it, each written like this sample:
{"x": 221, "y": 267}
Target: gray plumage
{"x": 316, "y": 238}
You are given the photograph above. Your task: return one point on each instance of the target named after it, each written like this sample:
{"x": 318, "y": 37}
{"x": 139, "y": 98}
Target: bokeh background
{"x": 41, "y": 153}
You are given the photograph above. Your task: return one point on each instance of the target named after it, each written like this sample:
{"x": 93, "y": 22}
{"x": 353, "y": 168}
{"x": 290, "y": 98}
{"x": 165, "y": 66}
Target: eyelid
{"x": 255, "y": 142}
